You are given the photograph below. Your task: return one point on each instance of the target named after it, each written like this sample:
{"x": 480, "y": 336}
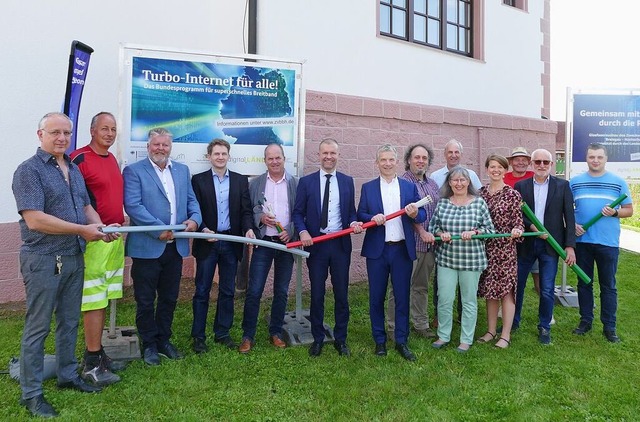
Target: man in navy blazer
{"x": 390, "y": 247}
{"x": 157, "y": 192}
{"x": 551, "y": 200}
{"x": 334, "y": 255}
{"x": 226, "y": 208}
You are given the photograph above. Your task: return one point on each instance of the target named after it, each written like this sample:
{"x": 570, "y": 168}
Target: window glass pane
{"x": 419, "y": 28}
{"x": 463, "y": 12}
{"x": 434, "y": 8}
{"x": 452, "y": 33}
{"x": 420, "y": 6}
{"x": 452, "y": 10}
{"x": 433, "y": 32}
{"x": 385, "y": 19}
{"x": 462, "y": 39}
{"x": 400, "y": 3}
{"x": 399, "y": 22}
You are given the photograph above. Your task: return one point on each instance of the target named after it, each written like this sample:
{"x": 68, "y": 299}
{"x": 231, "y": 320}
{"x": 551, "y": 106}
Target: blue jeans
{"x": 156, "y": 278}
{"x": 606, "y": 258}
{"x": 223, "y": 256}
{"x": 258, "y": 272}
{"x": 47, "y": 293}
{"x": 548, "y": 265}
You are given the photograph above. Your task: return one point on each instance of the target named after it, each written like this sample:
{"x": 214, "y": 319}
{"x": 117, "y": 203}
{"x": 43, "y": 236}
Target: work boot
{"x": 95, "y": 371}
{"x": 112, "y": 365}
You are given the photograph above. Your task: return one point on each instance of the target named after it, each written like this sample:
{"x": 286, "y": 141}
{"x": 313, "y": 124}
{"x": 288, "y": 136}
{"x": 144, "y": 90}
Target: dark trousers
{"x": 606, "y": 258}
{"x": 222, "y": 255}
{"x": 329, "y": 258}
{"x": 159, "y": 279}
{"x": 394, "y": 262}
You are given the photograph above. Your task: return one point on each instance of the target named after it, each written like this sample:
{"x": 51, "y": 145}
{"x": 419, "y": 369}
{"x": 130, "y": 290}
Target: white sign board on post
{"x": 249, "y": 101}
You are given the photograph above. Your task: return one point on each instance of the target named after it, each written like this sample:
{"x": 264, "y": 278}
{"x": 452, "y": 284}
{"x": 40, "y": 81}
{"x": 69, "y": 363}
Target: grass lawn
{"x": 576, "y": 378}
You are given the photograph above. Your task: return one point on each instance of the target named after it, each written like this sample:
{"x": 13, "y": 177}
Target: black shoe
{"x": 611, "y": 336}
{"x": 381, "y": 349}
{"x": 544, "y": 336}
{"x": 583, "y": 328}
{"x": 169, "y": 351}
{"x": 151, "y": 357}
{"x": 227, "y": 341}
{"x": 80, "y": 385}
{"x": 39, "y": 406}
{"x": 342, "y": 348}
{"x": 199, "y": 345}
{"x": 405, "y": 352}
{"x": 316, "y": 349}
{"x": 95, "y": 371}
{"x": 112, "y": 365}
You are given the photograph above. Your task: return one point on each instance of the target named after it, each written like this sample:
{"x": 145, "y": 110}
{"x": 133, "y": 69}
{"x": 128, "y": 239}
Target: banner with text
{"x": 76, "y": 77}
{"x": 202, "y": 97}
{"x": 611, "y": 120}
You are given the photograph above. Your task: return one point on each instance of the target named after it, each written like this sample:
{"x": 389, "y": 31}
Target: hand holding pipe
{"x": 554, "y": 244}
{"x": 240, "y": 239}
{"x": 491, "y": 235}
{"x": 421, "y": 203}
{"x": 139, "y": 229}
{"x": 597, "y": 217}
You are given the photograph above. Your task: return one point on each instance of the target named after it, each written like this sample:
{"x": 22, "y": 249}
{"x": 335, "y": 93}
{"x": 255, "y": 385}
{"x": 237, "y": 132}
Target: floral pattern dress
{"x": 500, "y": 278}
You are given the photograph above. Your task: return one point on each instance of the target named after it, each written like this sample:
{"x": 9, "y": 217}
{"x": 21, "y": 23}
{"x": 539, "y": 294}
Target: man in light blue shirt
{"x": 593, "y": 193}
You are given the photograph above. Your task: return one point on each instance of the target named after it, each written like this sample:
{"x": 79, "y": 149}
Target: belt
{"x": 224, "y": 232}
{"x": 275, "y": 239}
{"x": 399, "y": 242}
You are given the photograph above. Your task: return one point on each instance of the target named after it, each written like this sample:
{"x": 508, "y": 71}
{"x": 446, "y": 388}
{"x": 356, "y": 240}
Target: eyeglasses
{"x": 56, "y": 133}
{"x": 544, "y": 162}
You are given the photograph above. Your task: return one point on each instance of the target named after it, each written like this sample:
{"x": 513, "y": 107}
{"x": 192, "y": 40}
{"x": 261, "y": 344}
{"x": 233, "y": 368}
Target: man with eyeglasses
{"x": 57, "y": 221}
{"x": 551, "y": 200}
{"x": 593, "y": 193}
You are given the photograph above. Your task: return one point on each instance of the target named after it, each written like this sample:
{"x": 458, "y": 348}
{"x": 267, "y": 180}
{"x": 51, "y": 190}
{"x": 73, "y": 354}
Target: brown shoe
{"x": 245, "y": 346}
{"x": 277, "y": 342}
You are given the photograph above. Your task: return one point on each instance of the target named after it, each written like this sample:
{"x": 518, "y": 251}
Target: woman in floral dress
{"x": 499, "y": 280}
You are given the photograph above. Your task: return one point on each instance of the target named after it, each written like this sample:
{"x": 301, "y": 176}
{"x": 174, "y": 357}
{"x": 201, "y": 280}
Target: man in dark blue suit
{"x": 157, "y": 191}
{"x": 551, "y": 200}
{"x": 325, "y": 203}
{"x": 389, "y": 247}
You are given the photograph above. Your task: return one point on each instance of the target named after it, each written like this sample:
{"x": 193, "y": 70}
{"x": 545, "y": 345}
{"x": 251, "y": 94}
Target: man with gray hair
{"x": 453, "y": 155}
{"x": 389, "y": 247}
{"x": 157, "y": 191}
{"x": 57, "y": 220}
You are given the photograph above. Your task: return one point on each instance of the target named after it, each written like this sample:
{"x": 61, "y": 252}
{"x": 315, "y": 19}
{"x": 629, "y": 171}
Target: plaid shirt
{"x": 426, "y": 187}
{"x": 467, "y": 255}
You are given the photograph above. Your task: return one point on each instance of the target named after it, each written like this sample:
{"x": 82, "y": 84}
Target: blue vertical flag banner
{"x": 78, "y": 67}
{"x": 611, "y": 119}
{"x": 200, "y": 97}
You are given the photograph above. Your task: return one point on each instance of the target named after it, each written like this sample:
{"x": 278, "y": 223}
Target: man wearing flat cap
{"x": 519, "y": 161}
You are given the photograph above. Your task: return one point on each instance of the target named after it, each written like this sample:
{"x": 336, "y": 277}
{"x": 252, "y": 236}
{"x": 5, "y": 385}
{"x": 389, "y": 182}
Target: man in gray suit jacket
{"x": 157, "y": 191}
{"x": 273, "y": 195}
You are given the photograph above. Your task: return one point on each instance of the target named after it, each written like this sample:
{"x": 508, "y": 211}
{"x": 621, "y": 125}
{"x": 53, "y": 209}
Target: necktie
{"x": 324, "y": 220}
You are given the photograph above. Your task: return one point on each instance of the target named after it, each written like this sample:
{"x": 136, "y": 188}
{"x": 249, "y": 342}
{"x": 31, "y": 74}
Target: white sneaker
{"x": 553, "y": 320}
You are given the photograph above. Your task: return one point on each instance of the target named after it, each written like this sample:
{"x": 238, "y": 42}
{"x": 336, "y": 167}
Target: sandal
{"x": 505, "y": 340}
{"x": 482, "y": 339}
